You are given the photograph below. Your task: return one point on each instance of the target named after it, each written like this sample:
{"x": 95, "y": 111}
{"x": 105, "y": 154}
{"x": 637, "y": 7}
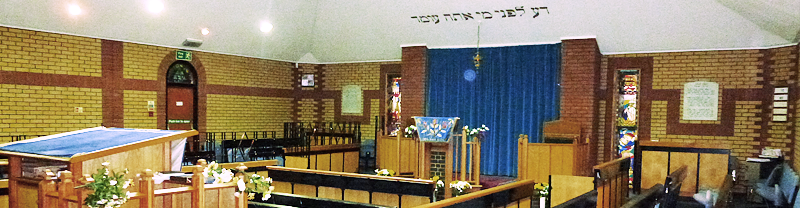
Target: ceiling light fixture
{"x": 155, "y": 6}
{"x": 204, "y": 31}
{"x": 266, "y": 27}
{"x": 74, "y": 9}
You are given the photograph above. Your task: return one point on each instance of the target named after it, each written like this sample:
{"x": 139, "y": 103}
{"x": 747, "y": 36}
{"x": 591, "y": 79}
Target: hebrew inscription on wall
{"x": 516, "y": 12}
{"x": 700, "y": 100}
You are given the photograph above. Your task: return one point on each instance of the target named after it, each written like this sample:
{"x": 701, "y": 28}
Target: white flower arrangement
{"x": 460, "y": 187}
{"x": 108, "y": 191}
{"x": 384, "y": 172}
{"x": 256, "y": 184}
{"x": 220, "y": 175}
{"x": 410, "y": 131}
{"x": 475, "y": 131}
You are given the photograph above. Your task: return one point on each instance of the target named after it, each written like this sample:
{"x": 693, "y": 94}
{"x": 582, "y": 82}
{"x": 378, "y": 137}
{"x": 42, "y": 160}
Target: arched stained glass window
{"x": 180, "y": 73}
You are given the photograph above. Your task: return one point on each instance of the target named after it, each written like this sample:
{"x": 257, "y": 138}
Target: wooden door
{"x": 180, "y": 108}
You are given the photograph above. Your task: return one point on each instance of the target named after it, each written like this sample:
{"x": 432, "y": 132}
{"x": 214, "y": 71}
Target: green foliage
{"x": 109, "y": 188}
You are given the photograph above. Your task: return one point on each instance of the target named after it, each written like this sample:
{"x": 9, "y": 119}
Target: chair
{"x": 780, "y": 188}
{"x": 672, "y": 188}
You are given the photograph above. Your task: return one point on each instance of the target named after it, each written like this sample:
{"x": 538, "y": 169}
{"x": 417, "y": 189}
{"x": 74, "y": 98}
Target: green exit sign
{"x": 183, "y": 55}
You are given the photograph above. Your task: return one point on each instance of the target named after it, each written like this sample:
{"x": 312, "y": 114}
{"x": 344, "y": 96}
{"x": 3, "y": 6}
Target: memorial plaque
{"x": 700, "y": 101}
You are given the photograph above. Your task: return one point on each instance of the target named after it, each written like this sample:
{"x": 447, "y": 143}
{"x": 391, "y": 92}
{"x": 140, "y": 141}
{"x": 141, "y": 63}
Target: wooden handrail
{"x": 612, "y": 168}
{"x": 355, "y": 175}
{"x": 478, "y": 194}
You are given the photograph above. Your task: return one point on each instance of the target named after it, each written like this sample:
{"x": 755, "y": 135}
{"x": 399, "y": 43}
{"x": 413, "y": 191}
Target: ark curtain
{"x": 513, "y": 92}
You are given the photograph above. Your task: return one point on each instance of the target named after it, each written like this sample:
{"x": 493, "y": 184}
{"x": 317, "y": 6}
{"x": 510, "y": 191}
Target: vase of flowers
{"x": 109, "y": 188}
{"x": 410, "y": 131}
{"x": 543, "y": 191}
{"x": 439, "y": 189}
{"x": 460, "y": 187}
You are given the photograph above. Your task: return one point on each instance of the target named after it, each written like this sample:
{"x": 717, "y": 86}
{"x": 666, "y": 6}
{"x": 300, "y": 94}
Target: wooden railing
{"x": 402, "y": 154}
{"x": 63, "y": 193}
{"x": 611, "y": 182}
{"x": 517, "y": 194}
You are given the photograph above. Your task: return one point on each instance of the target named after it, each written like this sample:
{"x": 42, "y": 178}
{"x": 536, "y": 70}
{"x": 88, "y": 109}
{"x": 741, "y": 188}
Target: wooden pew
{"x": 672, "y": 188}
{"x": 372, "y": 189}
{"x": 610, "y": 183}
{"x": 611, "y": 180}
{"x": 518, "y": 194}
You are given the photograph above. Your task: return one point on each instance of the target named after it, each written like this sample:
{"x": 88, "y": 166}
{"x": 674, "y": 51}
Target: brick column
{"x": 580, "y": 85}
{"x": 113, "y": 109}
{"x": 414, "y": 69}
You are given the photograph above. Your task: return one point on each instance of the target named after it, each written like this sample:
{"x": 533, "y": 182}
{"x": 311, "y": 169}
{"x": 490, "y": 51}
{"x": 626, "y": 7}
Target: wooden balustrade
{"x": 63, "y": 193}
{"x": 517, "y": 194}
{"x": 611, "y": 182}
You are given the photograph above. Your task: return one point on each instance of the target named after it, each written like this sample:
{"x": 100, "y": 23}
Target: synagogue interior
{"x": 358, "y": 103}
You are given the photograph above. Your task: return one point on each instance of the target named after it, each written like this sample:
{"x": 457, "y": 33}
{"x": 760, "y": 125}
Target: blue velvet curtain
{"x": 513, "y": 92}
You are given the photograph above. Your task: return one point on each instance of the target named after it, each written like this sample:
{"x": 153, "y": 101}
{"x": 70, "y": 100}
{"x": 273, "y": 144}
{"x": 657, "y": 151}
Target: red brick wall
{"x": 580, "y": 92}
{"x": 747, "y": 79}
{"x": 414, "y": 71}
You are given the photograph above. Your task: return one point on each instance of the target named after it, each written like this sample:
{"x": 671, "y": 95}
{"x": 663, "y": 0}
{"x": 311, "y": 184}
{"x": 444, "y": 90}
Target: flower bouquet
{"x": 460, "y": 187}
{"x": 478, "y": 133}
{"x": 256, "y": 184}
{"x": 109, "y": 188}
{"x": 384, "y": 172}
{"x": 410, "y": 131}
{"x": 215, "y": 174}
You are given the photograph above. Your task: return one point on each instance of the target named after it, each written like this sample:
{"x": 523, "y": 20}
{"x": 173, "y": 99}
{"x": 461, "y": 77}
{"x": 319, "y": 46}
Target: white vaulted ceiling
{"x": 327, "y": 31}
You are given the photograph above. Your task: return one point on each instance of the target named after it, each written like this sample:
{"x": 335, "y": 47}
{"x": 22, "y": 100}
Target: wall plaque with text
{"x": 700, "y": 100}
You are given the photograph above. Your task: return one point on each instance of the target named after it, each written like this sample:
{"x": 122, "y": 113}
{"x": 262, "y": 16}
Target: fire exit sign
{"x": 183, "y": 55}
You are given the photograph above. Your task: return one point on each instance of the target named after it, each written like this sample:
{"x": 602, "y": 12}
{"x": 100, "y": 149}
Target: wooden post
{"x": 522, "y": 154}
{"x": 146, "y": 188}
{"x": 476, "y": 154}
{"x": 241, "y": 200}
{"x": 65, "y": 188}
{"x": 202, "y": 162}
{"x": 448, "y": 167}
{"x": 463, "y": 157}
{"x": 198, "y": 183}
{"x": 14, "y": 172}
{"x": 45, "y": 186}
{"x": 399, "y": 155}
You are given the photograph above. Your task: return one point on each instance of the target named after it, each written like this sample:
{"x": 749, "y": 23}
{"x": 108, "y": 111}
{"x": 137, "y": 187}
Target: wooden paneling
{"x": 351, "y": 162}
{"x": 678, "y": 159}
{"x": 323, "y": 162}
{"x": 654, "y": 168}
{"x": 296, "y": 162}
{"x": 356, "y": 196}
{"x": 539, "y": 162}
{"x": 413, "y": 201}
{"x": 561, "y": 160}
{"x": 28, "y": 195}
{"x": 385, "y": 199}
{"x": 306, "y": 190}
{"x": 284, "y": 187}
{"x": 713, "y": 172}
{"x": 337, "y": 161}
{"x": 330, "y": 193}
{"x": 566, "y": 187}
{"x": 150, "y": 157}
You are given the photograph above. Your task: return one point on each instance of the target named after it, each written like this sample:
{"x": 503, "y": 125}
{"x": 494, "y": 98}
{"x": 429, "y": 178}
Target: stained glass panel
{"x": 180, "y": 73}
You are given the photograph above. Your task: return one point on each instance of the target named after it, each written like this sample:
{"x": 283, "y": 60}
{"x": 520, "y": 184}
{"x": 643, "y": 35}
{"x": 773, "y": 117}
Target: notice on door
{"x": 179, "y": 103}
{"x": 700, "y": 101}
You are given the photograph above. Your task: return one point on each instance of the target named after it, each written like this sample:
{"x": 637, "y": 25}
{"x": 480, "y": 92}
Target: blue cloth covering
{"x": 84, "y": 142}
{"x": 434, "y": 129}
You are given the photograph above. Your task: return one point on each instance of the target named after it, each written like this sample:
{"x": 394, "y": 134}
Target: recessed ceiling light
{"x": 74, "y": 9}
{"x": 204, "y": 31}
{"x": 155, "y": 6}
{"x": 266, "y": 27}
